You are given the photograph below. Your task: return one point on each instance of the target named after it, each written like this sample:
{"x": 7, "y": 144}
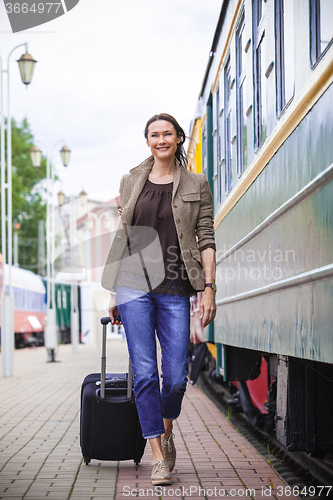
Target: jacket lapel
{"x": 139, "y": 175}
{"x": 182, "y": 182}
{"x": 176, "y": 180}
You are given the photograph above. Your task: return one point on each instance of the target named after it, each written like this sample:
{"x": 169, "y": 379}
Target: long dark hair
{"x": 180, "y": 153}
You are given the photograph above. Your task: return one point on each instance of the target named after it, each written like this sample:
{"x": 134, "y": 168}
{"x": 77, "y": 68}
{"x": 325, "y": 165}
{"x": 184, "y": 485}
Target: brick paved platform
{"x": 40, "y": 454}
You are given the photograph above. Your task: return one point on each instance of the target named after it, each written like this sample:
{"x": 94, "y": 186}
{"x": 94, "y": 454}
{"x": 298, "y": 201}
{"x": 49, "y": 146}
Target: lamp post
{"x": 71, "y": 242}
{"x": 50, "y": 330}
{"x": 26, "y": 65}
{"x": 17, "y": 227}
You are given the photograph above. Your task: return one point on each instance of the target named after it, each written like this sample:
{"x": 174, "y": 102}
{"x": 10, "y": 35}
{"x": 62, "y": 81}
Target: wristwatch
{"x": 211, "y": 285}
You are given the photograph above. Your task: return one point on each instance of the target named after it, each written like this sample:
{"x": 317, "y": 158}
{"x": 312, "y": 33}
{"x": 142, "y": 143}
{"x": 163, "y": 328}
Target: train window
{"x": 260, "y": 110}
{"x": 240, "y": 78}
{"x": 321, "y": 28}
{"x": 258, "y": 13}
{"x": 64, "y": 299}
{"x": 284, "y": 36}
{"x": 227, "y": 125}
{"x": 16, "y": 297}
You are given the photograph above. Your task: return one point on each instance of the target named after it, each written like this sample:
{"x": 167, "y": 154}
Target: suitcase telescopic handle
{"x": 105, "y": 321}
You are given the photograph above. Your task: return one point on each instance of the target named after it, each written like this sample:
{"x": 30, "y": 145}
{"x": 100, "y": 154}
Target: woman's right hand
{"x": 113, "y": 310}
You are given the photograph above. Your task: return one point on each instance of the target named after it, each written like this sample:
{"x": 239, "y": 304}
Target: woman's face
{"x": 162, "y": 139}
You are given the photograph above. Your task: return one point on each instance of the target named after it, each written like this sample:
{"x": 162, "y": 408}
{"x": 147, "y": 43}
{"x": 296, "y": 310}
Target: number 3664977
{"x": 36, "y": 8}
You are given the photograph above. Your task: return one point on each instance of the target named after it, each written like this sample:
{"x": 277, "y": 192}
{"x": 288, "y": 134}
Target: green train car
{"x": 63, "y": 310}
{"x": 264, "y": 132}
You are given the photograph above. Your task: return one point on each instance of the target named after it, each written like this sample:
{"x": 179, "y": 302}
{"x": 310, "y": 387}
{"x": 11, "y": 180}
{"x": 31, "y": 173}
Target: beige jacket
{"x": 193, "y": 215}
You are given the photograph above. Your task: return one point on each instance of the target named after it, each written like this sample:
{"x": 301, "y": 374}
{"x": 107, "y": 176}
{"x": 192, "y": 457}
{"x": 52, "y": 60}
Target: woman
{"x": 163, "y": 195}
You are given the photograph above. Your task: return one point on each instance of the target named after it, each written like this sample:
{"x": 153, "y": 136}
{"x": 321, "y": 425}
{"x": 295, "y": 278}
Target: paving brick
{"x": 40, "y": 448}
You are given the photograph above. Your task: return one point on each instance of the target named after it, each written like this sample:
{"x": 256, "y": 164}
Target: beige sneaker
{"x": 169, "y": 451}
{"x": 161, "y": 473}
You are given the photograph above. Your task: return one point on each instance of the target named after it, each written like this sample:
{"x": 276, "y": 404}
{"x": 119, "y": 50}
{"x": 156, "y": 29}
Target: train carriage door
{"x": 208, "y": 158}
{"x": 241, "y": 117}
{"x": 284, "y": 36}
{"x": 259, "y": 81}
{"x": 208, "y": 165}
{"x": 227, "y": 126}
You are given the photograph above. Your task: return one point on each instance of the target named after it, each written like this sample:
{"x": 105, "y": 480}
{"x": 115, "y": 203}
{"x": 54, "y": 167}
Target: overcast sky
{"x": 103, "y": 69}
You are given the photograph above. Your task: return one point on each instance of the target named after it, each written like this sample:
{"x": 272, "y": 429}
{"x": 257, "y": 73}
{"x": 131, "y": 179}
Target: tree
{"x": 29, "y": 195}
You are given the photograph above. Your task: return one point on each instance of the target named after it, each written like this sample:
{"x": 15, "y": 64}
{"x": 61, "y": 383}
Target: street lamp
{"x": 65, "y": 154}
{"x": 36, "y": 156}
{"x": 50, "y": 330}
{"x": 61, "y": 198}
{"x": 16, "y": 227}
{"x": 26, "y": 65}
{"x": 83, "y": 197}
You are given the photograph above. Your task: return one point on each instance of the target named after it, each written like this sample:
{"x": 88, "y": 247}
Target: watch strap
{"x": 211, "y": 285}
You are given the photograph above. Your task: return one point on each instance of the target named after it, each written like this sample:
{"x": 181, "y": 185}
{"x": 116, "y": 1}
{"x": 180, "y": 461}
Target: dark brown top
{"x": 153, "y": 209}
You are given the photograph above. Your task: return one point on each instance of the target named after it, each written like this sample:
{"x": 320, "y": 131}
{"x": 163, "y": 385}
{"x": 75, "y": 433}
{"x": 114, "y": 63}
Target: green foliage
{"x": 28, "y": 194}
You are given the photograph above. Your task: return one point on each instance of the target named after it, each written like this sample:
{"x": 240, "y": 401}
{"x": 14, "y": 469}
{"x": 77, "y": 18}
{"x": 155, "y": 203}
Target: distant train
{"x": 29, "y": 307}
{"x": 29, "y": 291}
{"x": 262, "y": 134}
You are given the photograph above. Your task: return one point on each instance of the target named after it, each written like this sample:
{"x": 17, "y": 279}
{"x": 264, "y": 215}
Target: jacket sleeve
{"x": 205, "y": 222}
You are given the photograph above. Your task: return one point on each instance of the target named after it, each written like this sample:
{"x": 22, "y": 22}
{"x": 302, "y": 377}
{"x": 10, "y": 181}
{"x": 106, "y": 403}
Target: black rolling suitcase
{"x": 109, "y": 422}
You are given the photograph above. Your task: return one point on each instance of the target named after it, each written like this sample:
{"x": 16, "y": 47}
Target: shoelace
{"x": 168, "y": 443}
{"x": 160, "y": 464}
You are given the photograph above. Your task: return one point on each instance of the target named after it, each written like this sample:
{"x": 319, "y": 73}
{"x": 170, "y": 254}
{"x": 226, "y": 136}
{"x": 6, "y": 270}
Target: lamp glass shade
{"x": 107, "y": 222}
{"x": 83, "y": 197}
{"x": 90, "y": 223}
{"x": 27, "y": 65}
{"x": 61, "y": 198}
{"x": 65, "y": 154}
{"x": 36, "y": 156}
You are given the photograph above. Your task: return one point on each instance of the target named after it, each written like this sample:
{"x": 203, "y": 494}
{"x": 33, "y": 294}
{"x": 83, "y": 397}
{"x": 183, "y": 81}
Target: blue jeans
{"x": 169, "y": 315}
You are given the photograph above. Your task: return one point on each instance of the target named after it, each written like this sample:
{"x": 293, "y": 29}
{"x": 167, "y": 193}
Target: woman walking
{"x": 162, "y": 195}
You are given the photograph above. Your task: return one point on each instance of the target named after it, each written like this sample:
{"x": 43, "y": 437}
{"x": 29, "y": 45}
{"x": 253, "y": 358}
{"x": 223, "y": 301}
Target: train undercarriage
{"x": 287, "y": 396}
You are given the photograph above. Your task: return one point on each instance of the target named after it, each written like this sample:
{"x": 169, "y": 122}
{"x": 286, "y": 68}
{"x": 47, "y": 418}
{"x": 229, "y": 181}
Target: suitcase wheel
{"x": 86, "y": 460}
{"x": 137, "y": 461}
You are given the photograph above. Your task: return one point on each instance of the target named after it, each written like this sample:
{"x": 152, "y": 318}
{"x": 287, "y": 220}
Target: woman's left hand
{"x": 207, "y": 306}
